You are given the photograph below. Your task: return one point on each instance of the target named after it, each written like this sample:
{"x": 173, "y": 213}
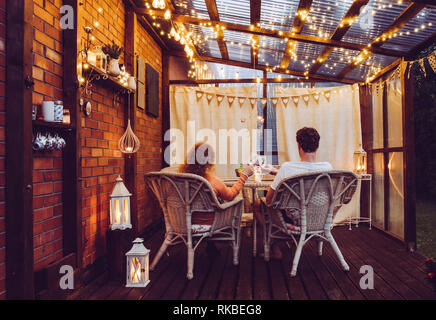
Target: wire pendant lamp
{"x": 129, "y": 142}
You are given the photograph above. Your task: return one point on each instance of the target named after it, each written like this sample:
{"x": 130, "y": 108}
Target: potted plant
{"x": 114, "y": 52}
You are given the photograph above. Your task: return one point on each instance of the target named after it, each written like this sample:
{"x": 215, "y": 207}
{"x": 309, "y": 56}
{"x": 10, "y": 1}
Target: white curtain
{"x": 335, "y": 113}
{"x": 208, "y": 114}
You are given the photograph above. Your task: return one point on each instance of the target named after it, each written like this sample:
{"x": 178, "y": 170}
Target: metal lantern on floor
{"x": 359, "y": 159}
{"x": 137, "y": 265}
{"x": 120, "y": 206}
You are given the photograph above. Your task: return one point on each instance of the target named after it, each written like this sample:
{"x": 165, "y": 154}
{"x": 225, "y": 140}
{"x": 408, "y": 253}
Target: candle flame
{"x": 135, "y": 270}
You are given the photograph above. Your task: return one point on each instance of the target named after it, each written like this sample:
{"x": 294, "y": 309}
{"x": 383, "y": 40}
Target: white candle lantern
{"x": 120, "y": 206}
{"x": 359, "y": 159}
{"x": 137, "y": 265}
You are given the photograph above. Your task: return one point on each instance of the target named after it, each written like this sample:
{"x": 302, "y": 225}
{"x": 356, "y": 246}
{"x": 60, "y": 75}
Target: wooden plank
{"x": 244, "y": 282}
{"x": 408, "y": 14}
{"x": 212, "y": 285}
{"x": 214, "y": 15}
{"x": 299, "y": 20}
{"x": 347, "y": 287}
{"x": 311, "y": 283}
{"x": 386, "y": 178}
{"x": 19, "y": 211}
{"x": 345, "y": 24}
{"x": 279, "y": 290}
{"x": 71, "y": 166}
{"x": 262, "y": 282}
{"x": 255, "y": 8}
{"x": 295, "y": 284}
{"x": 354, "y": 255}
{"x": 324, "y": 277}
{"x": 254, "y": 30}
{"x": 386, "y": 274}
{"x": 227, "y": 289}
{"x": 395, "y": 268}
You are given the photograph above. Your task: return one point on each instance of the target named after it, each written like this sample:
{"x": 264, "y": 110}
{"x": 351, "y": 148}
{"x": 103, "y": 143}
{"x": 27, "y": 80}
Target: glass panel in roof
{"x": 278, "y": 14}
{"x": 373, "y": 20}
{"x": 324, "y": 16}
{"x": 234, "y": 11}
{"x": 415, "y": 31}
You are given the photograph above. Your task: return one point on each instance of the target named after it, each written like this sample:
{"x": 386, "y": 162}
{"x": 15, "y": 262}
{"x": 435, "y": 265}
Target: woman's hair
{"x": 308, "y": 139}
{"x": 199, "y": 160}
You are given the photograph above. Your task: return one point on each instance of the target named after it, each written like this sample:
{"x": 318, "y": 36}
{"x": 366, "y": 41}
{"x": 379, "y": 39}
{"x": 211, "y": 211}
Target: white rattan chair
{"x": 180, "y": 195}
{"x": 313, "y": 198}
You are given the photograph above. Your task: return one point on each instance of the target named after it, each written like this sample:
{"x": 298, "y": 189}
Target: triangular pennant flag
{"x": 199, "y": 94}
{"x": 285, "y": 101}
{"x": 263, "y": 101}
{"x": 241, "y": 101}
{"x": 295, "y": 100}
{"x": 421, "y": 63}
{"x": 230, "y": 100}
{"x": 209, "y": 97}
{"x": 274, "y": 101}
{"x": 219, "y": 98}
{"x": 316, "y": 96}
{"x": 252, "y": 101}
{"x": 306, "y": 98}
{"x": 327, "y": 95}
{"x": 432, "y": 61}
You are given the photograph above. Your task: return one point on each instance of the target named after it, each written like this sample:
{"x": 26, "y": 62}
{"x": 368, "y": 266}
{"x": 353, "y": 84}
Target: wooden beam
{"x": 255, "y": 8}
{"x": 345, "y": 24}
{"x": 409, "y": 164}
{"x": 71, "y": 170}
{"x": 214, "y": 15}
{"x": 244, "y": 80}
{"x": 130, "y": 161}
{"x": 273, "y": 33}
{"x": 19, "y": 164}
{"x": 299, "y": 20}
{"x": 411, "y": 11}
{"x": 386, "y": 69}
{"x": 264, "y": 68}
{"x": 421, "y": 46}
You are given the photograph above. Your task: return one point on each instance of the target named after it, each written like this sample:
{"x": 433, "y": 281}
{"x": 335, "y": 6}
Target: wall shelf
{"x": 56, "y": 126}
{"x": 93, "y": 74}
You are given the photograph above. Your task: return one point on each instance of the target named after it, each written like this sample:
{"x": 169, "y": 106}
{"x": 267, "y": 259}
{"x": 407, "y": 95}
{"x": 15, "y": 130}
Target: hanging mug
{"x": 39, "y": 142}
{"x": 60, "y": 142}
{"x": 51, "y": 142}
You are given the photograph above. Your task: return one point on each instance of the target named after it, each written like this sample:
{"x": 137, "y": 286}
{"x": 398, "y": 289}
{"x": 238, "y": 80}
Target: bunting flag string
{"x": 432, "y": 61}
{"x": 219, "y": 98}
{"x": 230, "y": 100}
{"x": 284, "y": 99}
{"x": 252, "y": 101}
{"x": 241, "y": 101}
{"x": 263, "y": 101}
{"x": 295, "y": 100}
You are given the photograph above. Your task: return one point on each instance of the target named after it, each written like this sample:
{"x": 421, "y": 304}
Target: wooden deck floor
{"x": 398, "y": 274}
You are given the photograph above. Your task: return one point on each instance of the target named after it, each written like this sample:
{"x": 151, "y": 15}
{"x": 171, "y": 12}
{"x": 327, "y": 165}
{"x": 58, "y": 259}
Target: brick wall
{"x": 2, "y": 148}
{"x": 47, "y": 166}
{"x": 149, "y": 131}
{"x": 101, "y": 159}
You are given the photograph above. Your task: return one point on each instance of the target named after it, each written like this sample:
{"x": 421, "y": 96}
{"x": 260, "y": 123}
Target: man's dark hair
{"x": 308, "y": 139}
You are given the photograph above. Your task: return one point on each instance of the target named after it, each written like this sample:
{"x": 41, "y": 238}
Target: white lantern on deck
{"x": 359, "y": 159}
{"x": 120, "y": 206}
{"x": 137, "y": 265}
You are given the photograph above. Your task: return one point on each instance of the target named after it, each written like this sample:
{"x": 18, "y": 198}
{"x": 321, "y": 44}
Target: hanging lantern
{"x": 129, "y": 142}
{"x": 137, "y": 265}
{"x": 120, "y": 206}
{"x": 359, "y": 159}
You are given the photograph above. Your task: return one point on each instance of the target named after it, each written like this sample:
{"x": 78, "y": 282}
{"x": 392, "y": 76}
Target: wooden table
{"x": 253, "y": 186}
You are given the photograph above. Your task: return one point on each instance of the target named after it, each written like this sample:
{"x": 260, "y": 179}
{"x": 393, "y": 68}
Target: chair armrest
{"x": 226, "y": 205}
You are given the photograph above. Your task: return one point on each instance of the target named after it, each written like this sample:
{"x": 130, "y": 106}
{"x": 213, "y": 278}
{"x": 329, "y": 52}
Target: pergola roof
{"x": 337, "y": 40}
